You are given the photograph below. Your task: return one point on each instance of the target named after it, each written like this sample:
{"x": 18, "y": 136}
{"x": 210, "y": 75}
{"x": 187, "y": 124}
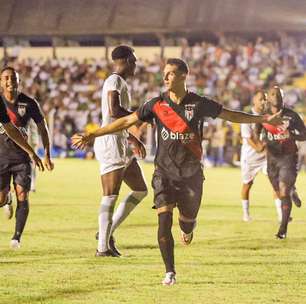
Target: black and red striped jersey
{"x": 3, "y": 114}
{"x": 179, "y": 131}
{"x": 20, "y": 112}
{"x": 279, "y": 139}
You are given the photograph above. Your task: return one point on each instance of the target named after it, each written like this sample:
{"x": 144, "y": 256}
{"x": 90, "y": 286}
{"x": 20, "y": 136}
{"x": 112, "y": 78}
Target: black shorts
{"x": 21, "y": 174}
{"x": 283, "y": 169}
{"x": 185, "y": 193}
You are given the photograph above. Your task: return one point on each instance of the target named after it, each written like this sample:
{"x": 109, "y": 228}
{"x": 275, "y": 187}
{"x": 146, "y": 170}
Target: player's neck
{"x": 10, "y": 96}
{"x": 178, "y": 95}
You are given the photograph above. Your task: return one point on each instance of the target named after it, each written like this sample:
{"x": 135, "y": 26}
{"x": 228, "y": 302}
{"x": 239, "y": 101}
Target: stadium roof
{"x": 120, "y": 17}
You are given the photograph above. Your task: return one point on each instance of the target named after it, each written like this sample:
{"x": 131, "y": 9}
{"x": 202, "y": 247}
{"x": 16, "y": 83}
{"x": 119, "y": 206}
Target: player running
{"x": 282, "y": 153}
{"x": 117, "y": 162}
{"x": 178, "y": 176}
{"x": 14, "y": 162}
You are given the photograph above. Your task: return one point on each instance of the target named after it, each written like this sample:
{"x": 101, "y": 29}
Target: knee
{"x": 187, "y": 224}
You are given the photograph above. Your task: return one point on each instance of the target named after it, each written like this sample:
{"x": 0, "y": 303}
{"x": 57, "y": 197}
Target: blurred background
{"x": 233, "y": 47}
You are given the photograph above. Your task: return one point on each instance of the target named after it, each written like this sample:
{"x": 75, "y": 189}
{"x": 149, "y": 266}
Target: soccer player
{"x": 282, "y": 153}
{"x": 178, "y": 177}
{"x": 253, "y": 156}
{"x": 114, "y": 154}
{"x": 14, "y": 162}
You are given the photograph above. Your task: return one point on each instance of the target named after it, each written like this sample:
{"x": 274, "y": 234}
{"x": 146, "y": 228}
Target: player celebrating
{"x": 14, "y": 162}
{"x": 117, "y": 162}
{"x": 282, "y": 153}
{"x": 178, "y": 177}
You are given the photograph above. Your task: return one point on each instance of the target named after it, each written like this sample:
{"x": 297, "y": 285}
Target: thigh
{"x": 22, "y": 176}
{"x": 163, "y": 191}
{"x": 273, "y": 173}
{"x": 5, "y": 178}
{"x": 190, "y": 196}
{"x": 133, "y": 176}
{"x": 288, "y": 171}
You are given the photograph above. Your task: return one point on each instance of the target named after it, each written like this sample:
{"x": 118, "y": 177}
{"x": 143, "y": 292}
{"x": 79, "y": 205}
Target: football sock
{"x": 126, "y": 207}
{"x": 278, "y": 206}
{"x": 21, "y": 215}
{"x": 165, "y": 240}
{"x": 105, "y": 221}
{"x": 286, "y": 210}
{"x": 245, "y": 207}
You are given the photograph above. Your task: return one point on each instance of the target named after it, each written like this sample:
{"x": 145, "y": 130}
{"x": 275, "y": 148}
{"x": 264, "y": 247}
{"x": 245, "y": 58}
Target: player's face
{"x": 9, "y": 81}
{"x": 131, "y": 65}
{"x": 275, "y": 100}
{"x": 173, "y": 78}
{"x": 259, "y": 102}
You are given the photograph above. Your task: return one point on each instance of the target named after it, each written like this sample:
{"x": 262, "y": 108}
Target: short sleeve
{"x": 4, "y": 118}
{"x": 114, "y": 83}
{"x": 145, "y": 112}
{"x": 36, "y": 112}
{"x": 210, "y": 108}
{"x": 246, "y": 130}
{"x": 298, "y": 123}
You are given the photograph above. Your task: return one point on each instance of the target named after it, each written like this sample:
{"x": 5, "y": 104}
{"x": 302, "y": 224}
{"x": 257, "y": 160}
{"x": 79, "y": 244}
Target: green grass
{"x": 228, "y": 262}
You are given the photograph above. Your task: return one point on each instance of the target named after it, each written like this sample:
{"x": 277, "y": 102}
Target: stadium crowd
{"x": 229, "y": 71}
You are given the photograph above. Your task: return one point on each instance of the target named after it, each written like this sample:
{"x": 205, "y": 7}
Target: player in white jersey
{"x": 116, "y": 159}
{"x": 253, "y": 156}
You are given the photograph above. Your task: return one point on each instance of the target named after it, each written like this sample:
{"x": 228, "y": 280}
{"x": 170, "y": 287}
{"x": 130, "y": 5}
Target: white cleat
{"x": 246, "y": 218}
{"x": 15, "y": 244}
{"x": 186, "y": 238}
{"x": 169, "y": 279}
{"x": 8, "y": 207}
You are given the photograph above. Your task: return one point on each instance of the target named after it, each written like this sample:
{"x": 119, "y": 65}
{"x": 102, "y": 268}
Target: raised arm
{"x": 242, "y": 117}
{"x": 79, "y": 141}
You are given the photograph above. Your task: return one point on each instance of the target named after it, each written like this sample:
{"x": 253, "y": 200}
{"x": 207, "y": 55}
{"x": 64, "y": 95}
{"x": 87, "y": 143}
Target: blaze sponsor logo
{"x": 184, "y": 137}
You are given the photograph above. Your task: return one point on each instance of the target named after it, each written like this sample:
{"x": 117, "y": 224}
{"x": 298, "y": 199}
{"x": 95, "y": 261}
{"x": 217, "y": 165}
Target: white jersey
{"x": 112, "y": 151}
{"x": 114, "y": 83}
{"x": 248, "y": 153}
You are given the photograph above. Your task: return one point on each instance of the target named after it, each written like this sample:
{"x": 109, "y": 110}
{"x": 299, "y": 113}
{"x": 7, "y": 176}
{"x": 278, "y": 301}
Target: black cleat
{"x": 112, "y": 246}
{"x": 107, "y": 253}
{"x": 281, "y": 236}
{"x": 295, "y": 198}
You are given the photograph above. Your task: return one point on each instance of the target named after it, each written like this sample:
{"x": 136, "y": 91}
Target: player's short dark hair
{"x": 181, "y": 64}
{"x": 9, "y": 68}
{"x": 122, "y": 52}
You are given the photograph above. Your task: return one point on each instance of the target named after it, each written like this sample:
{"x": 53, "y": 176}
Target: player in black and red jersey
{"x": 14, "y": 162}
{"x": 178, "y": 176}
{"x": 282, "y": 153}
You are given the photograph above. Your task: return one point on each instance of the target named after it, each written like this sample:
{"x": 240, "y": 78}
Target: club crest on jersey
{"x": 189, "y": 111}
{"x": 22, "y": 108}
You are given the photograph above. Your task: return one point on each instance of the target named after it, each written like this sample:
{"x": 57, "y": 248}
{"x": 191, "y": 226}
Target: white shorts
{"x": 250, "y": 169}
{"x": 112, "y": 152}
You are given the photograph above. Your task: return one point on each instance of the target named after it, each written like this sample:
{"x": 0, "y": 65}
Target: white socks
{"x": 126, "y": 207}
{"x": 245, "y": 208}
{"x": 105, "y": 221}
{"x": 278, "y": 205}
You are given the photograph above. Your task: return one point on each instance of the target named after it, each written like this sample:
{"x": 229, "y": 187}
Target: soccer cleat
{"x": 246, "y": 218}
{"x": 186, "y": 238}
{"x": 169, "y": 279}
{"x": 112, "y": 246}
{"x": 8, "y": 207}
{"x": 107, "y": 253}
{"x": 281, "y": 236}
{"x": 295, "y": 198}
{"x": 15, "y": 244}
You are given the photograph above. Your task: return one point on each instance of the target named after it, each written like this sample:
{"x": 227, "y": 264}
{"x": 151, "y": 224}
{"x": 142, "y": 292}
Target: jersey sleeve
{"x": 4, "y": 118}
{"x": 246, "y": 130}
{"x": 145, "y": 112}
{"x": 36, "y": 112}
{"x": 114, "y": 83}
{"x": 210, "y": 108}
{"x": 298, "y": 125}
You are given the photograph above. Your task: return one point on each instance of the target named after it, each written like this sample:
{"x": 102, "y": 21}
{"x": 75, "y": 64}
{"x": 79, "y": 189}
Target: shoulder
{"x": 25, "y": 98}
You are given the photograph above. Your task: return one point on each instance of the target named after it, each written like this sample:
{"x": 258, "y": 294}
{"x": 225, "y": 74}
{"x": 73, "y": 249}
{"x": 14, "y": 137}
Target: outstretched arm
{"x": 80, "y": 141}
{"x": 242, "y": 117}
{"x": 16, "y": 136}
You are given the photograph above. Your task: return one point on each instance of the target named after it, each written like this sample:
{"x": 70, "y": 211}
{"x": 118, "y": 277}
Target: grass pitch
{"x": 228, "y": 262}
